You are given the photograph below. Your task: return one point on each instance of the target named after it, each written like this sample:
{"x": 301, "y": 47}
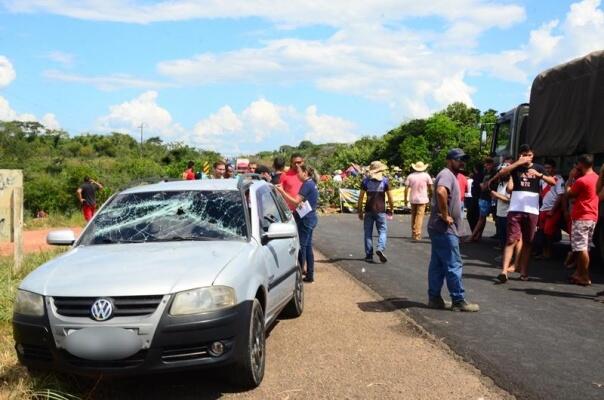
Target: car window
{"x": 169, "y": 216}
{"x": 286, "y": 214}
{"x": 269, "y": 212}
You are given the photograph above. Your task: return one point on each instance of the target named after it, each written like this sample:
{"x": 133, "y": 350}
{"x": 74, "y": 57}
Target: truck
{"x": 563, "y": 119}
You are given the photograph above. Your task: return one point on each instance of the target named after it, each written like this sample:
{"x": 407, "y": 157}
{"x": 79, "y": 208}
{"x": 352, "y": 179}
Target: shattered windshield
{"x": 169, "y": 216}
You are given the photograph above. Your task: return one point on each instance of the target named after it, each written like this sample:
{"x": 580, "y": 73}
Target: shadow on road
{"x": 540, "y": 292}
{"x": 389, "y": 305}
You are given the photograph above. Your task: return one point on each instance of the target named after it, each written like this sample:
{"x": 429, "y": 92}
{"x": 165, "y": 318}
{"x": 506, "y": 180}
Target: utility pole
{"x": 141, "y": 128}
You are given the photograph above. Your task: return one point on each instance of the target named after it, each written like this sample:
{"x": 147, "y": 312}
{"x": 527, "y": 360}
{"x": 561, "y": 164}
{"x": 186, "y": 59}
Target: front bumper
{"x": 178, "y": 343}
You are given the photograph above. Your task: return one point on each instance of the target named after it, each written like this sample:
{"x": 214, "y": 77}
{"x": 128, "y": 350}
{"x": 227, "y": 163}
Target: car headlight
{"x": 202, "y": 300}
{"x": 28, "y": 303}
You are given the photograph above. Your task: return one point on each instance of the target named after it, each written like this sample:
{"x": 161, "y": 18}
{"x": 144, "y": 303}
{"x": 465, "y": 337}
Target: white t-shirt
{"x": 552, "y": 195}
{"x": 502, "y": 206}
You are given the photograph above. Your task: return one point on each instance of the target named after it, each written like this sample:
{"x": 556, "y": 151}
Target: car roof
{"x": 184, "y": 185}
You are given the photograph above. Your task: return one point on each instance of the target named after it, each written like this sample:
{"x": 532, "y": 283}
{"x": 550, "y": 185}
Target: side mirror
{"x": 64, "y": 237}
{"x": 279, "y": 230}
{"x": 483, "y": 137}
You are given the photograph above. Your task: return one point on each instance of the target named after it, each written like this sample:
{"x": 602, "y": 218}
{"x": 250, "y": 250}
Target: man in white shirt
{"x": 550, "y": 211}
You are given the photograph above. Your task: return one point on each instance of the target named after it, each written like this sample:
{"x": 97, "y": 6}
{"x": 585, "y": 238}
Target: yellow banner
{"x": 350, "y": 197}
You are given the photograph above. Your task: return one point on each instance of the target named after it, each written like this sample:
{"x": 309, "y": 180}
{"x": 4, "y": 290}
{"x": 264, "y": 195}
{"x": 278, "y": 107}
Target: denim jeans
{"x": 380, "y": 223}
{"x": 445, "y": 264}
{"x": 306, "y": 257}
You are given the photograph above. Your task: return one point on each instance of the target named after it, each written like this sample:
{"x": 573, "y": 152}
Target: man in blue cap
{"x": 445, "y": 227}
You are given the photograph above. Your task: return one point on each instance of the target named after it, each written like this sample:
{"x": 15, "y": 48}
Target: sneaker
{"x": 381, "y": 256}
{"x": 438, "y": 303}
{"x": 369, "y": 259}
{"x": 308, "y": 280}
{"x": 465, "y": 306}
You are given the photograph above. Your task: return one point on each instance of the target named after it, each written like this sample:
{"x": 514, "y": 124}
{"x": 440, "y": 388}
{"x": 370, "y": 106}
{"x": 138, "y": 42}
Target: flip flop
{"x": 524, "y": 278}
{"x": 501, "y": 278}
{"x": 575, "y": 281}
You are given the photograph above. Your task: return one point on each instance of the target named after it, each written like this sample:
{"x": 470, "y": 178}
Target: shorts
{"x": 581, "y": 234}
{"x": 521, "y": 225}
{"x": 484, "y": 207}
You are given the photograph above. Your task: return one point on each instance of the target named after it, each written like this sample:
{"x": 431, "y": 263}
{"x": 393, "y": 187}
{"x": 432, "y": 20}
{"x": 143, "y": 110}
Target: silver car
{"x": 167, "y": 276}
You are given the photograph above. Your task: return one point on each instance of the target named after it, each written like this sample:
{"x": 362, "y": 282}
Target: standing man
{"x": 219, "y": 170}
{"x": 550, "y": 212}
{"x": 523, "y": 212}
{"x": 376, "y": 186}
{"x": 419, "y": 184}
{"x": 264, "y": 172}
{"x": 484, "y": 201}
{"x": 251, "y": 168}
{"x": 584, "y": 215}
{"x": 290, "y": 181}
{"x": 278, "y": 167}
{"x": 87, "y": 197}
{"x": 445, "y": 227}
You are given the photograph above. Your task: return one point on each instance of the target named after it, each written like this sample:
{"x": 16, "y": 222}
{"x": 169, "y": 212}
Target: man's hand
{"x": 524, "y": 160}
{"x": 448, "y": 219}
{"x": 535, "y": 173}
{"x": 361, "y": 216}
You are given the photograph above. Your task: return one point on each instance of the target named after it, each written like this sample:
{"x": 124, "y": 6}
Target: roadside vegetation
{"x": 15, "y": 382}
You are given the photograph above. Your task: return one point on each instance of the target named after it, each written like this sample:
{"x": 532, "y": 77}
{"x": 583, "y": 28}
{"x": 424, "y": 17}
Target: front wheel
{"x": 250, "y": 369}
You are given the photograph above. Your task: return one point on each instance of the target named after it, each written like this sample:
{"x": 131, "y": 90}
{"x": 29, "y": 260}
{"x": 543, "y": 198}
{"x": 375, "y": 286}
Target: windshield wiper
{"x": 182, "y": 239}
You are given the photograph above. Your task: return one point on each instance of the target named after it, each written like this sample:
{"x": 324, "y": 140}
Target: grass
{"x": 15, "y": 382}
{"x": 55, "y": 221}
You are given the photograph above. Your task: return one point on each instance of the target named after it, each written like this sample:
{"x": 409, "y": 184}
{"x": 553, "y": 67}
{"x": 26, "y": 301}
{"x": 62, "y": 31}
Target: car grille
{"x": 127, "y": 306}
{"x": 130, "y": 362}
{"x": 35, "y": 353}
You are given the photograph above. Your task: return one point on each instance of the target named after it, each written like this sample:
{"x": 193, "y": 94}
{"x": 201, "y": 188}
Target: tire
{"x": 295, "y": 307}
{"x": 250, "y": 368}
{"x": 598, "y": 240}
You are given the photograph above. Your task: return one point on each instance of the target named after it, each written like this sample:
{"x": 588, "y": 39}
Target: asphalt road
{"x": 540, "y": 339}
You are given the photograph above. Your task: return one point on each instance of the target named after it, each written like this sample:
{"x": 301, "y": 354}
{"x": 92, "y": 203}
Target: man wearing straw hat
{"x": 419, "y": 185}
{"x": 376, "y": 186}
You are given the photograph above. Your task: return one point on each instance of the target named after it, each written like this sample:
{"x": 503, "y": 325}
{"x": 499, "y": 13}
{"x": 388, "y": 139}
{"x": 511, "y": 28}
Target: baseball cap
{"x": 457, "y": 154}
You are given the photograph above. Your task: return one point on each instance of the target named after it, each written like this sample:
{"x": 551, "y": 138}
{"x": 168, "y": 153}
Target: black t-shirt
{"x": 89, "y": 193}
{"x": 477, "y": 180}
{"x": 276, "y": 179}
{"x": 486, "y": 194}
{"x": 525, "y": 182}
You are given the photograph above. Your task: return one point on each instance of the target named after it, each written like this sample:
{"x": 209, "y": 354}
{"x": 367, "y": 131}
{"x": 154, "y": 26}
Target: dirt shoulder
{"x": 337, "y": 350}
{"x": 33, "y": 241}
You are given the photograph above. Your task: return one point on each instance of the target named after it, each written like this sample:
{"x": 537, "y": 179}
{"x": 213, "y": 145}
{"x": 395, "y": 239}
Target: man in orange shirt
{"x": 290, "y": 181}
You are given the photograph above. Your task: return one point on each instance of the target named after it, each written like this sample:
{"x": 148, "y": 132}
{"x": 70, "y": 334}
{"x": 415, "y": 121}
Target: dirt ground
{"x": 34, "y": 240}
{"x": 347, "y": 345}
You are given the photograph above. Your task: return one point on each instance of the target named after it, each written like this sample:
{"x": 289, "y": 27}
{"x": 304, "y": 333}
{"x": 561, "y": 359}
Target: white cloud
{"x": 7, "y": 113}
{"x": 106, "y": 83}
{"x": 7, "y": 72}
{"x": 292, "y": 13}
{"x": 264, "y": 118}
{"x": 128, "y": 116}
{"x": 49, "y": 120}
{"x": 326, "y": 128}
{"x": 66, "y": 59}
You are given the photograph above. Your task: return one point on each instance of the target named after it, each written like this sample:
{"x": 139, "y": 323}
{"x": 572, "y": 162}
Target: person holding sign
{"x": 305, "y": 213}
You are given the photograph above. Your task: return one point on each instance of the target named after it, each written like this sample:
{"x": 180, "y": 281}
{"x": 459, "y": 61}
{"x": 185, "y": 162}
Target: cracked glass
{"x": 169, "y": 216}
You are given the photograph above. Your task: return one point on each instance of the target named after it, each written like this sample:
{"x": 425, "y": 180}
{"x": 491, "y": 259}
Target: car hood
{"x": 133, "y": 269}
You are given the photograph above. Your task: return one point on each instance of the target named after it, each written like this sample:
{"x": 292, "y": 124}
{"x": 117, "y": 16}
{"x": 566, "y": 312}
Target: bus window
{"x": 502, "y": 145}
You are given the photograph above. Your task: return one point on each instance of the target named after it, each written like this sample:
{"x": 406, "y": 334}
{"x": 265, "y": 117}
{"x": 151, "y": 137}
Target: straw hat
{"x": 376, "y": 169}
{"x": 419, "y": 166}
{"x": 338, "y": 172}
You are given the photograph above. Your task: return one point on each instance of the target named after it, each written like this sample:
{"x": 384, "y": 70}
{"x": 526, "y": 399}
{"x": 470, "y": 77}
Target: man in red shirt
{"x": 290, "y": 181}
{"x": 584, "y": 215}
{"x": 189, "y": 174}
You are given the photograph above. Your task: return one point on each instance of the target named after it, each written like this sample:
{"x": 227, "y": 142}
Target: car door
{"x": 279, "y": 253}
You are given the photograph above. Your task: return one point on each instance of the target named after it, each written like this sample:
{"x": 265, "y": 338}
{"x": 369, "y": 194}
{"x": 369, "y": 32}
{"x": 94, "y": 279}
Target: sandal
{"x": 501, "y": 278}
{"x": 576, "y": 281}
{"x": 524, "y": 278}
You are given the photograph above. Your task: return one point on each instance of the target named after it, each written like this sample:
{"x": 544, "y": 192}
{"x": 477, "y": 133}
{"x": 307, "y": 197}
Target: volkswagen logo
{"x": 101, "y": 310}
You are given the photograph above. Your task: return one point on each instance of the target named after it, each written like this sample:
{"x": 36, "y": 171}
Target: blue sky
{"x": 249, "y": 75}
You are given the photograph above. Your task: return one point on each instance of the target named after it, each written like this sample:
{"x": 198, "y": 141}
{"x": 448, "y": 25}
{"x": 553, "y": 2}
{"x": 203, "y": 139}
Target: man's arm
{"x": 390, "y": 201}
{"x": 360, "y": 204}
{"x": 79, "y": 194}
{"x": 510, "y": 187}
{"x": 508, "y": 170}
{"x": 98, "y": 184}
{"x": 550, "y": 180}
{"x": 441, "y": 200}
{"x": 499, "y": 196}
